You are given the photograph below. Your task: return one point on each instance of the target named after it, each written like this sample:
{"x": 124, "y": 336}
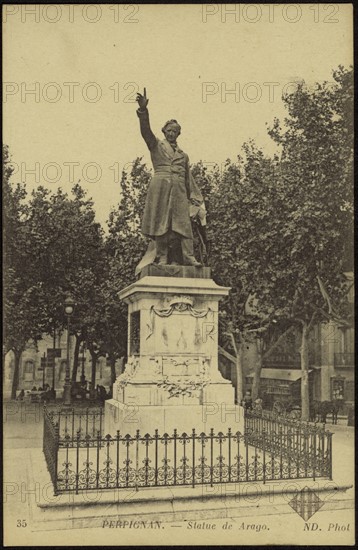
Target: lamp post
{"x": 69, "y": 305}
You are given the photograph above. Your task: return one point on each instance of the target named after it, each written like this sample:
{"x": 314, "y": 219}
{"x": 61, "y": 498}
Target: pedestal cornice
{"x": 172, "y": 285}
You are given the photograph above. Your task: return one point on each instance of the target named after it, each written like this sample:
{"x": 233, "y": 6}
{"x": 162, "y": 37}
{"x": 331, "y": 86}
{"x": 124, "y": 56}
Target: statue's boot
{"x": 162, "y": 249}
{"x": 188, "y": 253}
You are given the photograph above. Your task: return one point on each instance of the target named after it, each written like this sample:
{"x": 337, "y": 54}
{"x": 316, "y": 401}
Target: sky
{"x": 71, "y": 73}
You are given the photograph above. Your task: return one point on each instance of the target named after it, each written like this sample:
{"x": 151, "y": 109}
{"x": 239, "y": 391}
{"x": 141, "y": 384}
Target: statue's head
{"x": 171, "y": 130}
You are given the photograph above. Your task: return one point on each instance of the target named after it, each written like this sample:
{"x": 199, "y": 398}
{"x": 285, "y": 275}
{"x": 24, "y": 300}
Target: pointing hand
{"x": 142, "y": 100}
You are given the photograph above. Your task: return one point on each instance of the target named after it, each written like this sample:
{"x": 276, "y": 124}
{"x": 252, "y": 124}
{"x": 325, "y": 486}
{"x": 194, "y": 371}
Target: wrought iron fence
{"x": 291, "y": 438}
{"x": 70, "y": 422}
{"x": 259, "y": 419}
{"x": 50, "y": 445}
{"x": 88, "y": 462}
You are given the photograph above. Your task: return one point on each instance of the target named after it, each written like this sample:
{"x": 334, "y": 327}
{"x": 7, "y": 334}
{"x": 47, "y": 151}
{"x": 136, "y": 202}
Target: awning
{"x": 280, "y": 374}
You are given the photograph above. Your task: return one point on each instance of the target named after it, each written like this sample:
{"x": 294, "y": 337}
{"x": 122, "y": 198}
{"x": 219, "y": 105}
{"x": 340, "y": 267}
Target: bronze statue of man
{"x": 173, "y": 195}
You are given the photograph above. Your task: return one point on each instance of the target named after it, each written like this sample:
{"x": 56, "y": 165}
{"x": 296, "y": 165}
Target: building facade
{"x": 32, "y": 374}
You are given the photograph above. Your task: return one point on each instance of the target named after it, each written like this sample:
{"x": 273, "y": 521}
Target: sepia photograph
{"x": 178, "y": 275}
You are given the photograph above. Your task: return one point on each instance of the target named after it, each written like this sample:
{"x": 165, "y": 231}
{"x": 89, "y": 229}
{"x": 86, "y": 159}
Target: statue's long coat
{"x": 170, "y": 189}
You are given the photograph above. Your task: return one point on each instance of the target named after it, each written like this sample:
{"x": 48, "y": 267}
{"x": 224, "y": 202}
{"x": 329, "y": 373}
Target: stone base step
{"x": 165, "y": 505}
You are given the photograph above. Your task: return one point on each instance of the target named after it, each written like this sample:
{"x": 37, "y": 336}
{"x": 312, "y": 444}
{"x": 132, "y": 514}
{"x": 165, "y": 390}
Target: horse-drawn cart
{"x": 280, "y": 391}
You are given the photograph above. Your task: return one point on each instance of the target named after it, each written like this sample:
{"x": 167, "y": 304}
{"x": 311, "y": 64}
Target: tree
{"x": 24, "y": 301}
{"x": 241, "y": 226}
{"x": 278, "y": 228}
{"x": 68, "y": 256}
{"x": 314, "y": 190}
{"x": 58, "y": 240}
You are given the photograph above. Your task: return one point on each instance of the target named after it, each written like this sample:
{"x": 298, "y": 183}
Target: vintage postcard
{"x": 178, "y": 353}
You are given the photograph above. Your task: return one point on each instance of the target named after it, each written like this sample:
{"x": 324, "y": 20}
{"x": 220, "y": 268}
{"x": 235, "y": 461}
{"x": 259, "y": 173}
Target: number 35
{"x": 21, "y": 523}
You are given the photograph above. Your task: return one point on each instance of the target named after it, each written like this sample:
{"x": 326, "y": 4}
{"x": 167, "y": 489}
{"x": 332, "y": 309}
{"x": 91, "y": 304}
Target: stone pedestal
{"x": 171, "y": 380}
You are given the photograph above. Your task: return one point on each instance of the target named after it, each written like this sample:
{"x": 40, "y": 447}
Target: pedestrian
{"x": 247, "y": 400}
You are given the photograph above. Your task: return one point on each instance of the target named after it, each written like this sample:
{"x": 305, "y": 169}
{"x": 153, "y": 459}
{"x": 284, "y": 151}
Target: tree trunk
{"x": 76, "y": 358}
{"x": 305, "y": 405}
{"x": 112, "y": 360}
{"x": 93, "y": 374}
{"x": 239, "y": 375}
{"x": 237, "y": 347}
{"x": 4, "y": 354}
{"x": 16, "y": 377}
{"x": 256, "y": 378}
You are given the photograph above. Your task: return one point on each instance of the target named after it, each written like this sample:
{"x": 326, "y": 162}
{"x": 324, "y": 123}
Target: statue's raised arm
{"x": 143, "y": 115}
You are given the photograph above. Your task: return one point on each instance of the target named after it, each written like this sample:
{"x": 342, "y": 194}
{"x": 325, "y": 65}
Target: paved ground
{"x": 27, "y": 483}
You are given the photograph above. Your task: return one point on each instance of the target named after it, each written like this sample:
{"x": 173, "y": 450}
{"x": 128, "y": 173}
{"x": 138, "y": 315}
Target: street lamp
{"x": 69, "y": 306}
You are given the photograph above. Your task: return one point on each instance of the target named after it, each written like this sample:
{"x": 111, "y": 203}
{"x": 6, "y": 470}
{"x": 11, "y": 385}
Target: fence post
{"x": 238, "y": 435}
{"x": 136, "y": 459}
{"x": 289, "y": 450}
{"x": 229, "y": 451}
{"x": 175, "y": 435}
{"x": 314, "y": 454}
{"x": 73, "y": 424}
{"x": 77, "y": 458}
{"x": 44, "y": 429}
{"x": 56, "y": 447}
{"x": 193, "y": 457}
{"x": 97, "y": 461}
{"x": 101, "y": 412}
{"x": 264, "y": 455}
{"x": 86, "y": 424}
{"x": 298, "y": 450}
{"x": 330, "y": 455}
{"x": 156, "y": 457}
{"x": 246, "y": 457}
{"x": 280, "y": 444}
{"x": 211, "y": 456}
{"x": 117, "y": 459}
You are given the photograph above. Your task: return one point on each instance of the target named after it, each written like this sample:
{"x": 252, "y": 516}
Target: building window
{"x": 29, "y": 371}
